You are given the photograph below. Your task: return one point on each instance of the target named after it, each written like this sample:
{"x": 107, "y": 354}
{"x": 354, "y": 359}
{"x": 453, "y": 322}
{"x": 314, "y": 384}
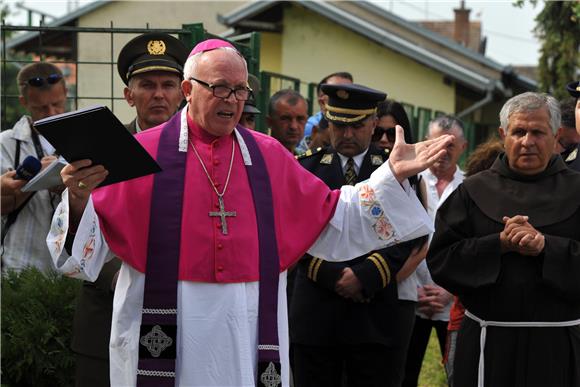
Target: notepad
{"x": 48, "y": 178}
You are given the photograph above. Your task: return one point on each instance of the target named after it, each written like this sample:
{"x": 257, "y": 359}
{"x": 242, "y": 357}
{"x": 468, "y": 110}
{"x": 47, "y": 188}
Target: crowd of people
{"x": 322, "y": 254}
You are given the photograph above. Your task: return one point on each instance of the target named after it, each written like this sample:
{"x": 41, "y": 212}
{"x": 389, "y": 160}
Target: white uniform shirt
{"x": 433, "y": 203}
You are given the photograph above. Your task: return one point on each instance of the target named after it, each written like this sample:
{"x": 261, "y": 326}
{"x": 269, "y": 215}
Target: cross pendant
{"x": 222, "y": 213}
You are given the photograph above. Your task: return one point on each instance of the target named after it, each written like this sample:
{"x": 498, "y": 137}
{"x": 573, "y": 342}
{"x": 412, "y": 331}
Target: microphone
{"x": 28, "y": 168}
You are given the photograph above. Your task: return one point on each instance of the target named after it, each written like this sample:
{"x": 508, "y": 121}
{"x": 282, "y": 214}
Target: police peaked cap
{"x": 151, "y": 52}
{"x": 350, "y": 103}
{"x": 574, "y": 89}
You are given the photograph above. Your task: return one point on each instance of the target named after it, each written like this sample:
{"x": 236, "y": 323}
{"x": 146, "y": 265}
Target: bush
{"x": 37, "y": 319}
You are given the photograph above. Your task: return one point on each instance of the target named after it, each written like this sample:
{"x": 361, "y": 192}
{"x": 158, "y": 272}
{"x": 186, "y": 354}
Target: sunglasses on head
{"x": 379, "y": 131}
{"x": 40, "y": 81}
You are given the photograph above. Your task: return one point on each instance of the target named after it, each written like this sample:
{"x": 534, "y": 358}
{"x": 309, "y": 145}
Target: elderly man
{"x": 151, "y": 66}
{"x": 573, "y": 157}
{"x": 344, "y": 316}
{"x": 26, "y": 216}
{"x": 510, "y": 250}
{"x": 434, "y": 302}
{"x": 287, "y": 114}
{"x": 206, "y": 243}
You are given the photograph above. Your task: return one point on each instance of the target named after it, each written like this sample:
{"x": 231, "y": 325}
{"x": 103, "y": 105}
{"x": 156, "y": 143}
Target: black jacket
{"x": 318, "y": 315}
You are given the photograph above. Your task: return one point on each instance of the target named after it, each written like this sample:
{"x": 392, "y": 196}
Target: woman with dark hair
{"x": 390, "y": 113}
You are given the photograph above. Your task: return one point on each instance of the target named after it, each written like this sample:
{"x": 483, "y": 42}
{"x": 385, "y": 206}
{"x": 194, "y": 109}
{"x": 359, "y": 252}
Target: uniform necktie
{"x": 350, "y": 174}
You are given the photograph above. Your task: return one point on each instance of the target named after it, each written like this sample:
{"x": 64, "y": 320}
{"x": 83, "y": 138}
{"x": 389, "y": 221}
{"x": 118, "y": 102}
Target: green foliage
{"x": 11, "y": 108}
{"x": 558, "y": 28}
{"x": 432, "y": 371}
{"x": 37, "y": 317}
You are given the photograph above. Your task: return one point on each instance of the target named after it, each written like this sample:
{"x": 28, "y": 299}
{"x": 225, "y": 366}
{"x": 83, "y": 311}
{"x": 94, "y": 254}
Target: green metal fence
{"x": 45, "y": 43}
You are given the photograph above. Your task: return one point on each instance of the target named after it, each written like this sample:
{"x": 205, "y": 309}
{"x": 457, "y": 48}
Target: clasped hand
{"x": 521, "y": 237}
{"x": 349, "y": 286}
{"x": 432, "y": 299}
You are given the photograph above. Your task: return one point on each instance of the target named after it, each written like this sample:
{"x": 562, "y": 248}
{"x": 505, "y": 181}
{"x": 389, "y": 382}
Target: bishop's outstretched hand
{"x": 407, "y": 160}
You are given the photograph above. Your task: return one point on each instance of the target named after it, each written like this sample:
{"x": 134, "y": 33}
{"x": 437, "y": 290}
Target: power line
{"x": 512, "y": 37}
{"x": 421, "y": 10}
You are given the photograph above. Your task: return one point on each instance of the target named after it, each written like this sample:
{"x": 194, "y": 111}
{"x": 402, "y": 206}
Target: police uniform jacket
{"x": 318, "y": 315}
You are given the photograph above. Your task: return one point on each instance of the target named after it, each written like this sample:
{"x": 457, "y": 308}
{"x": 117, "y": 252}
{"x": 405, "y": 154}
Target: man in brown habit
{"x": 506, "y": 244}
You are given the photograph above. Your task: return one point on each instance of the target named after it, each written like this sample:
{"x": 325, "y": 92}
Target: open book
{"x": 48, "y": 178}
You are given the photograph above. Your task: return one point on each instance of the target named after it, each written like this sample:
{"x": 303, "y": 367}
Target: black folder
{"x": 95, "y": 133}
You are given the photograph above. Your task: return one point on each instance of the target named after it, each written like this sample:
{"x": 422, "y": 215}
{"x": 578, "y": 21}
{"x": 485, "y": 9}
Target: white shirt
{"x": 434, "y": 201}
{"x": 25, "y": 241}
{"x": 217, "y": 334}
{"x": 358, "y": 160}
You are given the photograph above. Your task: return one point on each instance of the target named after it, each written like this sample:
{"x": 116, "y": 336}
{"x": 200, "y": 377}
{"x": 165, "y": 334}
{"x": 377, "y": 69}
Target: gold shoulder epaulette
{"x": 308, "y": 153}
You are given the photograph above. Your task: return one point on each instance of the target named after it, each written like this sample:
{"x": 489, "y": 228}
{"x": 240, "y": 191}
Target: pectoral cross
{"x": 222, "y": 213}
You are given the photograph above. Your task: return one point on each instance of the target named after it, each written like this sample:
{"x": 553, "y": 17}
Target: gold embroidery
{"x": 311, "y": 266}
{"x": 342, "y": 94}
{"x": 156, "y": 47}
{"x": 326, "y": 159}
{"x": 364, "y": 112}
{"x": 316, "y": 268}
{"x": 380, "y": 268}
{"x": 385, "y": 266}
{"x": 376, "y": 160}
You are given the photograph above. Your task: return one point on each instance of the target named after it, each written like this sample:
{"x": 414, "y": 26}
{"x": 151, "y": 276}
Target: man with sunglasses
{"x": 205, "y": 244}
{"x": 26, "y": 216}
{"x": 344, "y": 319}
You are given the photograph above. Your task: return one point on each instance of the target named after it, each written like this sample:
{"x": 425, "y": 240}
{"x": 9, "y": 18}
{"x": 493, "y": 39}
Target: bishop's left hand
{"x": 407, "y": 160}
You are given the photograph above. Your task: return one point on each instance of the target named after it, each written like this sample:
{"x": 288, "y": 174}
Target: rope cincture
{"x": 508, "y": 324}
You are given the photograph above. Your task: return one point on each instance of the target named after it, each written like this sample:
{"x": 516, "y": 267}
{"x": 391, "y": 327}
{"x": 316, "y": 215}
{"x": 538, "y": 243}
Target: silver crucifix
{"x": 222, "y": 213}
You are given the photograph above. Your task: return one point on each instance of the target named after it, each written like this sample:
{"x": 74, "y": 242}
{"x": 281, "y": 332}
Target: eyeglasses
{"x": 379, "y": 131}
{"x": 224, "y": 92}
{"x": 40, "y": 81}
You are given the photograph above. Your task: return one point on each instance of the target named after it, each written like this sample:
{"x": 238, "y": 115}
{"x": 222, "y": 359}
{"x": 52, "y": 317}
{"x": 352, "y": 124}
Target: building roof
{"x": 27, "y": 39}
{"x": 389, "y": 30}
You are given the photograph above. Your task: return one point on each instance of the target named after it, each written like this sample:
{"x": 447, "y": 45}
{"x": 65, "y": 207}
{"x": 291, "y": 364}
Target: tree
{"x": 558, "y": 28}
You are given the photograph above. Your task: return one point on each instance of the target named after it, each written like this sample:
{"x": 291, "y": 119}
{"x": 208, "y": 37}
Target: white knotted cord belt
{"x": 508, "y": 324}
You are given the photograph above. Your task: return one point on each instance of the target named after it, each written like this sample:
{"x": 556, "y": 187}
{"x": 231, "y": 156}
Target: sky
{"x": 510, "y": 39}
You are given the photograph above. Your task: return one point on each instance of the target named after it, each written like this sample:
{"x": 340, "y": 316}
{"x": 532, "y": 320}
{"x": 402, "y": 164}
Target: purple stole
{"x": 158, "y": 334}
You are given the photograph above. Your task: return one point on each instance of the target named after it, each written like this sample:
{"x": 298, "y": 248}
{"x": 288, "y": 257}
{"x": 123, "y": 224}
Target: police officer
{"x": 343, "y": 321}
{"x": 151, "y": 65}
{"x": 573, "y": 158}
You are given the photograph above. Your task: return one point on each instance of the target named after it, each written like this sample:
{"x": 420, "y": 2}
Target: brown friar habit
{"x": 465, "y": 258}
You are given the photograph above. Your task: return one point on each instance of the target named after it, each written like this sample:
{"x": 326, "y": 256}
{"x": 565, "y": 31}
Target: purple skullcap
{"x": 210, "y": 44}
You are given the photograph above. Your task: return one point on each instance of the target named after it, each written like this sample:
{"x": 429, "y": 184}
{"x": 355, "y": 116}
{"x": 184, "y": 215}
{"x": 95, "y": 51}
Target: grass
{"x": 432, "y": 372}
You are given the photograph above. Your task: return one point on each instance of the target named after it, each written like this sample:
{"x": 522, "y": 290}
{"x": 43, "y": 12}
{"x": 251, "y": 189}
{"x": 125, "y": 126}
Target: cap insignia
{"x": 326, "y": 159}
{"x": 578, "y": 88}
{"x": 156, "y": 47}
{"x": 376, "y": 160}
{"x": 342, "y": 94}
